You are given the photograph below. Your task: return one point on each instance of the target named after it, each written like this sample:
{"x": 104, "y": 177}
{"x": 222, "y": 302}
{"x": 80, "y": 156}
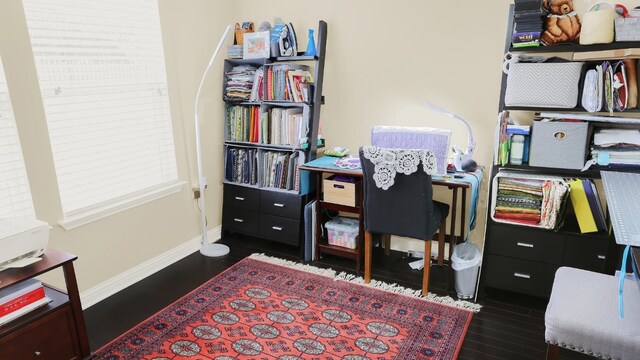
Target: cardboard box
{"x": 557, "y": 144}
{"x": 343, "y": 193}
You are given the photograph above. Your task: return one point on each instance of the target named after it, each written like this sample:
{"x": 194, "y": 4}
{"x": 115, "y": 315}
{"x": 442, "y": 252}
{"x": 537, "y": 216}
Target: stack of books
{"x": 21, "y": 298}
{"x": 616, "y": 147}
{"x": 529, "y": 17}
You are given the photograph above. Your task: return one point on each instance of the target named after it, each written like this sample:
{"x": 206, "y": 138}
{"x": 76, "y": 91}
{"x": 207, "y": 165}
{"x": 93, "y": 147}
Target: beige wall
{"x": 384, "y": 59}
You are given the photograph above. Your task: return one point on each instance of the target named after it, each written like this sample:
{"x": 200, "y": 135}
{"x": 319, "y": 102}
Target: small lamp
{"x": 462, "y": 159}
{"x": 206, "y": 248}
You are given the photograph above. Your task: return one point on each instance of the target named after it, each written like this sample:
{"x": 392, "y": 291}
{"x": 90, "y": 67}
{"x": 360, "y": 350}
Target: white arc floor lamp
{"x": 206, "y": 248}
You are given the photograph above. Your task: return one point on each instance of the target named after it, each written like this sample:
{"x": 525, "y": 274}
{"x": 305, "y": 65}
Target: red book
{"x": 22, "y": 301}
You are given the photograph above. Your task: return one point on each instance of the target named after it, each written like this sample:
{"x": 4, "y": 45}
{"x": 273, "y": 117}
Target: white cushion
{"x": 582, "y": 315}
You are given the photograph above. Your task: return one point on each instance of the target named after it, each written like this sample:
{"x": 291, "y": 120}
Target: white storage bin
{"x": 342, "y": 232}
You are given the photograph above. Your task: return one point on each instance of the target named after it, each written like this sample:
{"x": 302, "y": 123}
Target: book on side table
{"x": 21, "y": 298}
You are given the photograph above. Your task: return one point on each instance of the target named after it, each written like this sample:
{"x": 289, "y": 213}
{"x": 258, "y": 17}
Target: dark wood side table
{"x": 54, "y": 331}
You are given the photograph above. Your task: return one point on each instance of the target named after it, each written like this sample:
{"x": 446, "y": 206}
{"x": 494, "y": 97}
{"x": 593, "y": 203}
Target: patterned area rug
{"x": 259, "y": 310}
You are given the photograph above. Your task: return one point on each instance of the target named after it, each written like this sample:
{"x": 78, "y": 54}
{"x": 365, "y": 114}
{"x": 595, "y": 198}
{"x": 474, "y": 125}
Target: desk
{"x": 325, "y": 164}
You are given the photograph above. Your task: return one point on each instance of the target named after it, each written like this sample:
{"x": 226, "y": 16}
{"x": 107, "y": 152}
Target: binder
{"x": 588, "y": 186}
{"x": 581, "y": 207}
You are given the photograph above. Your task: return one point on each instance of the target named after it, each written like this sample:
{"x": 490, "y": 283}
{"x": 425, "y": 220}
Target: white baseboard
{"x": 139, "y": 272}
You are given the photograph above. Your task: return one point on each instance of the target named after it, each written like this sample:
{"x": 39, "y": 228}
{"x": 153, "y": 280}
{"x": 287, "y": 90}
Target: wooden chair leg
{"x": 387, "y": 243}
{"x": 553, "y": 352}
{"x": 441, "y": 232}
{"x": 367, "y": 257}
{"x": 427, "y": 266}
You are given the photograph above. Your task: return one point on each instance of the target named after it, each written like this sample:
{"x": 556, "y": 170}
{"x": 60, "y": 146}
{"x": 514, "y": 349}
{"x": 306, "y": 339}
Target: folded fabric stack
{"x": 239, "y": 82}
{"x": 536, "y": 202}
{"x": 617, "y": 147}
{"x": 519, "y": 200}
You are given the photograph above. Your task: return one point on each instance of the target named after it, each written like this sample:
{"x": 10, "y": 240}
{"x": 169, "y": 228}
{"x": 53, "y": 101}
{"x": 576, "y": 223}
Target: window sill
{"x": 85, "y": 217}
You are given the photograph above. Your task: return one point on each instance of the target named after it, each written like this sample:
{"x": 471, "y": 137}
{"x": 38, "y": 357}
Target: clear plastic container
{"x": 343, "y": 232}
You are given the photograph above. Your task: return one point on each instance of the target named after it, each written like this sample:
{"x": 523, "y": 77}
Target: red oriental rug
{"x": 259, "y": 310}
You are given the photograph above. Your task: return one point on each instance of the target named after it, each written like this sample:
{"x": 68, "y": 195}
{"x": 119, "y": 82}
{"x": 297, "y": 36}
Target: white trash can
{"x": 465, "y": 263}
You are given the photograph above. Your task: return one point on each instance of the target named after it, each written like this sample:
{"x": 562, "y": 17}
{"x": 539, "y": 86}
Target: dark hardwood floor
{"x": 509, "y": 326}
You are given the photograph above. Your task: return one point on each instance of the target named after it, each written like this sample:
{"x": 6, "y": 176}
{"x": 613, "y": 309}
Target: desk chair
{"x": 404, "y": 208}
{"x": 582, "y": 315}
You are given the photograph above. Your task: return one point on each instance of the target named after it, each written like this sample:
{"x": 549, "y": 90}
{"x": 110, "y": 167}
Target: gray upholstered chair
{"x": 582, "y": 315}
{"x": 405, "y": 208}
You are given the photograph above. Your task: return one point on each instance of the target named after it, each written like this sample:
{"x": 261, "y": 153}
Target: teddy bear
{"x": 562, "y": 25}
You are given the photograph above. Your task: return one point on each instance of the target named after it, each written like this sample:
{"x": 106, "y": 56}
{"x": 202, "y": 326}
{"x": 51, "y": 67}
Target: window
{"x": 15, "y": 196}
{"x": 102, "y": 76}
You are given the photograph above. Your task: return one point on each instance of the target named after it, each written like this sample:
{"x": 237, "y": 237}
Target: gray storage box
{"x": 558, "y": 144}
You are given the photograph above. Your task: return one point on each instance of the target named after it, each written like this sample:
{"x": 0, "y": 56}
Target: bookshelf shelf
{"x": 272, "y": 208}
{"x": 30, "y": 333}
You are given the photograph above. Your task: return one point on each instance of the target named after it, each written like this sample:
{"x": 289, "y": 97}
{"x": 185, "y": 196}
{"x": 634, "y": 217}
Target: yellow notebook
{"x": 581, "y": 207}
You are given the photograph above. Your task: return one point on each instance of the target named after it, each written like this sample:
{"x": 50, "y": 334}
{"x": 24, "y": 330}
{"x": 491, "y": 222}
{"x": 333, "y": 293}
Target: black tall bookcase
{"x": 524, "y": 259}
{"x": 263, "y": 211}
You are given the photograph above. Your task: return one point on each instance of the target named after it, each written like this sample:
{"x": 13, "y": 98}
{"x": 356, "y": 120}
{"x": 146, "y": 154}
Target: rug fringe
{"x": 373, "y": 283}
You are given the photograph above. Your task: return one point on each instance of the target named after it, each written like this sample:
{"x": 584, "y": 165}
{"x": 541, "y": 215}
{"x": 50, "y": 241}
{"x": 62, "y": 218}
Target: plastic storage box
{"x": 342, "y": 232}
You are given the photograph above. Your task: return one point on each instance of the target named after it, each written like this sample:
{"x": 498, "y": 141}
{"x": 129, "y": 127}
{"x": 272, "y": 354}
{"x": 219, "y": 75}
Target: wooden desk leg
{"x": 367, "y": 257}
{"x": 76, "y": 308}
{"x": 318, "y": 215}
{"x": 452, "y": 235}
{"x": 387, "y": 244}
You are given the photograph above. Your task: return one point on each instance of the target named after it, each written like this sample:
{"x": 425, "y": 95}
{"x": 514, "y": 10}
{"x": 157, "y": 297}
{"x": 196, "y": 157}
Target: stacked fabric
{"x": 519, "y": 200}
{"x": 534, "y": 202}
{"x": 239, "y": 82}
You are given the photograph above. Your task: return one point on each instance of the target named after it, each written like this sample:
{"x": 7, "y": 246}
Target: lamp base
{"x": 213, "y": 250}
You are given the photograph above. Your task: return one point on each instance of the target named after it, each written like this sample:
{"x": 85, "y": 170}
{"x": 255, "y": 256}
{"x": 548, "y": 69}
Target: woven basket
{"x": 628, "y": 29}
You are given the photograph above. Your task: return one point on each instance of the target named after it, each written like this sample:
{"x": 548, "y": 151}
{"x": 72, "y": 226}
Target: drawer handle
{"x": 239, "y": 198}
{"x": 522, "y": 276}
{"x": 238, "y": 220}
{"x": 276, "y": 228}
{"x": 602, "y": 257}
{"x": 278, "y": 205}
{"x": 527, "y": 245}
{"x": 338, "y": 186}
{"x": 37, "y": 353}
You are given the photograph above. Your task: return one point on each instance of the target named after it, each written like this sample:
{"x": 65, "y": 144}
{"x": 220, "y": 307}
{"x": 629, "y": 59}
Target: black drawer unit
{"x": 280, "y": 229}
{"x": 524, "y": 276}
{"x": 265, "y": 213}
{"x": 280, "y": 204}
{"x": 528, "y": 244}
{"x": 589, "y": 253}
{"x": 240, "y": 220}
{"x": 241, "y": 197}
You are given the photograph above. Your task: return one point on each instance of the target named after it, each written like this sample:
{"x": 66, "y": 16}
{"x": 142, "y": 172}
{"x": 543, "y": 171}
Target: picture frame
{"x": 256, "y": 45}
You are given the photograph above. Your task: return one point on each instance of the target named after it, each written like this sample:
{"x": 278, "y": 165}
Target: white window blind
{"x": 101, "y": 69}
{"x": 15, "y": 196}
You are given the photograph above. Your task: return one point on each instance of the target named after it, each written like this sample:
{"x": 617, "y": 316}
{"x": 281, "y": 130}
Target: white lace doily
{"x": 388, "y": 162}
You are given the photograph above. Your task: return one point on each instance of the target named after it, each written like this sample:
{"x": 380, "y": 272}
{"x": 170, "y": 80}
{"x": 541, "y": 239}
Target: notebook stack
{"x": 616, "y": 147}
{"x": 529, "y": 17}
